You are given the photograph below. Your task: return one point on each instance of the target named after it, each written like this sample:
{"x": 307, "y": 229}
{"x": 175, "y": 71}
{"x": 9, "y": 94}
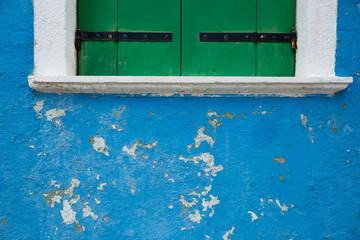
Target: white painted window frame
{"x": 55, "y": 60}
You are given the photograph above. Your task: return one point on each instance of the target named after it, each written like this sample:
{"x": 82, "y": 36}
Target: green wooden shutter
{"x": 97, "y": 58}
{"x": 186, "y": 55}
{"x": 149, "y": 58}
{"x": 217, "y": 59}
{"x": 275, "y": 59}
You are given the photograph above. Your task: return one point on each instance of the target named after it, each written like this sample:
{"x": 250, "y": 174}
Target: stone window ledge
{"x": 191, "y": 86}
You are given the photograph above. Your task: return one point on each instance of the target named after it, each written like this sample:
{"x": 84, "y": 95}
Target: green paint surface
{"x": 96, "y": 58}
{"x": 186, "y": 55}
{"x": 217, "y": 59}
{"x": 149, "y": 58}
{"x": 275, "y": 16}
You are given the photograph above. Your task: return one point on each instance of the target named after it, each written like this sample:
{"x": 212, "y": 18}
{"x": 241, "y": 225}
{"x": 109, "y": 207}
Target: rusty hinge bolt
{"x": 294, "y": 39}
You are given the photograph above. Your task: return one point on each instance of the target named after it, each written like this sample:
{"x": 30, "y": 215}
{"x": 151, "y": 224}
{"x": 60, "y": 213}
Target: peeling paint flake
{"x": 201, "y": 137}
{"x": 132, "y": 150}
{"x": 99, "y": 145}
{"x": 304, "y": 120}
{"x": 38, "y": 107}
{"x": 55, "y": 114}
{"x": 280, "y": 160}
{"x": 187, "y": 204}
{"x": 101, "y": 187}
{"x": 208, "y": 159}
{"x": 196, "y": 217}
{"x": 283, "y": 207}
{"x": 254, "y": 217}
{"x": 230, "y": 232}
{"x": 88, "y": 212}
{"x": 209, "y": 204}
{"x": 115, "y": 127}
{"x": 68, "y": 215}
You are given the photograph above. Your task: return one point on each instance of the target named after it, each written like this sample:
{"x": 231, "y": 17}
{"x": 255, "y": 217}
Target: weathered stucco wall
{"x": 100, "y": 166}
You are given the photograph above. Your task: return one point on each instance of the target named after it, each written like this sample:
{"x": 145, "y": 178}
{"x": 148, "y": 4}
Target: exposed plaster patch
{"x": 187, "y": 204}
{"x": 55, "y": 184}
{"x": 101, "y": 187}
{"x": 230, "y": 232}
{"x": 280, "y": 160}
{"x": 99, "y": 145}
{"x": 115, "y": 127}
{"x": 196, "y": 217}
{"x": 106, "y": 219}
{"x": 55, "y": 113}
{"x": 201, "y": 137}
{"x": 79, "y": 227}
{"x": 254, "y": 217}
{"x": 208, "y": 159}
{"x": 304, "y": 120}
{"x": 209, "y": 204}
{"x": 281, "y": 177}
{"x": 171, "y": 206}
{"x": 132, "y": 150}
{"x": 215, "y": 123}
{"x": 56, "y": 195}
{"x": 38, "y": 107}
{"x": 225, "y": 115}
{"x": 68, "y": 215}
{"x": 97, "y": 201}
{"x": 283, "y": 207}
{"x": 88, "y": 212}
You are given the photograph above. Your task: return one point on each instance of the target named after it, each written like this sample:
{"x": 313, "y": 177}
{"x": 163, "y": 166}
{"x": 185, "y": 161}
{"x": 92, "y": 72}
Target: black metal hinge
{"x": 122, "y": 37}
{"x": 250, "y": 37}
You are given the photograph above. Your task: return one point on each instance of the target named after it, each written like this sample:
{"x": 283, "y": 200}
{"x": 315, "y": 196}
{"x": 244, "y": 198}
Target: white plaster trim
{"x": 55, "y": 59}
{"x": 198, "y": 86}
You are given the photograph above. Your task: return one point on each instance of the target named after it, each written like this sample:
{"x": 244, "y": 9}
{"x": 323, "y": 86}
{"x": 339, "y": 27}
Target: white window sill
{"x": 193, "y": 86}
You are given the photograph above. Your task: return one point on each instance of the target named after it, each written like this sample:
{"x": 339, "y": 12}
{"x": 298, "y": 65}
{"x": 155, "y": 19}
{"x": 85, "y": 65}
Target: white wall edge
{"x": 55, "y": 55}
{"x": 196, "y": 86}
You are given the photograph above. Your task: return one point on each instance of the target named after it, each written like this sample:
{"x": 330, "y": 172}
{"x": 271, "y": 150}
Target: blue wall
{"x": 294, "y": 164}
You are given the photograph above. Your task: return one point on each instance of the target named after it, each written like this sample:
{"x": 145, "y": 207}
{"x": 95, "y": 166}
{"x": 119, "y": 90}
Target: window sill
{"x": 192, "y": 86}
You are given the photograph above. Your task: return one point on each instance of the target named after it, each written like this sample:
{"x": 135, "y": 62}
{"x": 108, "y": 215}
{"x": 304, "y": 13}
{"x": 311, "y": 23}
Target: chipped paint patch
{"x": 280, "y": 160}
{"x": 38, "y": 107}
{"x": 55, "y": 184}
{"x": 230, "y": 232}
{"x": 132, "y": 150}
{"x": 195, "y": 217}
{"x": 56, "y": 195}
{"x": 101, "y": 187}
{"x": 187, "y": 204}
{"x": 208, "y": 159}
{"x": 55, "y": 114}
{"x": 209, "y": 204}
{"x": 99, "y": 145}
{"x": 304, "y": 120}
{"x": 68, "y": 215}
{"x": 87, "y": 211}
{"x": 225, "y": 115}
{"x": 215, "y": 123}
{"x": 3, "y": 221}
{"x": 116, "y": 127}
{"x": 201, "y": 137}
{"x": 254, "y": 217}
{"x": 79, "y": 227}
{"x": 283, "y": 207}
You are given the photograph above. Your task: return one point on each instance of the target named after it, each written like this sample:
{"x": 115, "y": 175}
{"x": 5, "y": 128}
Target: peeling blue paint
{"x": 142, "y": 195}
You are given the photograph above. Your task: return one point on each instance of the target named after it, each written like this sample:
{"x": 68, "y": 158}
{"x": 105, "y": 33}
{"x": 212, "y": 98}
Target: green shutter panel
{"x": 275, "y": 16}
{"x": 97, "y": 58}
{"x": 149, "y": 58}
{"x": 217, "y": 58}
